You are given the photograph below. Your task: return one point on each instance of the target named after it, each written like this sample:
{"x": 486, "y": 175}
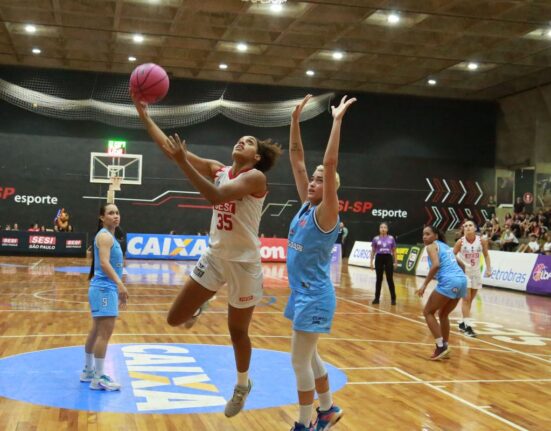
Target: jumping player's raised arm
{"x": 252, "y": 182}
{"x": 206, "y": 167}
{"x": 327, "y": 211}
{"x": 296, "y": 151}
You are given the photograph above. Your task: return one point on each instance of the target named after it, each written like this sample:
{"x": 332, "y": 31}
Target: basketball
{"x": 149, "y": 82}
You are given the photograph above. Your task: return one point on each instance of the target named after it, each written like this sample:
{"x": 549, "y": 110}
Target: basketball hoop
{"x": 115, "y": 184}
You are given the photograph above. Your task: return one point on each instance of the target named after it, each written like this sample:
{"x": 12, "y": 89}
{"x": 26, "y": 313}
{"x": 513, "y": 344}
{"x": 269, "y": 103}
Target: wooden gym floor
{"x": 499, "y": 381}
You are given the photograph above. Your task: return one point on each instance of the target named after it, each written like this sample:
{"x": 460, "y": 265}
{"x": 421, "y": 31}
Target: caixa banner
{"x": 177, "y": 247}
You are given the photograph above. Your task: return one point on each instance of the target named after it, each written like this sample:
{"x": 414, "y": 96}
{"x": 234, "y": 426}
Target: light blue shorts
{"x": 455, "y": 287}
{"x": 104, "y": 301}
{"x": 311, "y": 313}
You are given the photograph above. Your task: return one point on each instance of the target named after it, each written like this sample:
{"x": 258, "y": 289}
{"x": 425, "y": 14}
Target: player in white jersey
{"x": 237, "y": 193}
{"x": 470, "y": 248}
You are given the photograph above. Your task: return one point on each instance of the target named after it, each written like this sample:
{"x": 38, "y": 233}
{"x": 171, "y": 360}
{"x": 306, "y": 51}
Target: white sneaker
{"x": 237, "y": 402}
{"x": 87, "y": 375}
{"x": 104, "y": 383}
{"x": 189, "y": 323}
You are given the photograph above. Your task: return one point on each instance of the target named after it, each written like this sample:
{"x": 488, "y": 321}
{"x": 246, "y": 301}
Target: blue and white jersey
{"x": 449, "y": 268}
{"x": 115, "y": 259}
{"x": 309, "y": 253}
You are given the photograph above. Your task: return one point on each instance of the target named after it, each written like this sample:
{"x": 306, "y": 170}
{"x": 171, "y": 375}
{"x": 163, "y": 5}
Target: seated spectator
{"x": 518, "y": 207}
{"x": 533, "y": 245}
{"x": 34, "y": 228}
{"x": 42, "y": 228}
{"x": 508, "y": 240}
{"x": 15, "y": 227}
{"x": 546, "y": 249}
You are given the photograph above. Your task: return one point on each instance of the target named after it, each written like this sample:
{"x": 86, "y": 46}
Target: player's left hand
{"x": 176, "y": 148}
{"x": 488, "y": 272}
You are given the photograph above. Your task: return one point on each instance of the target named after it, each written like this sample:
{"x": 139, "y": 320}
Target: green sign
{"x": 407, "y": 256}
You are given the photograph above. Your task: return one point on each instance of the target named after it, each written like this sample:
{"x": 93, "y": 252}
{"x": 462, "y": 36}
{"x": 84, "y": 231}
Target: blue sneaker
{"x": 326, "y": 419}
{"x": 300, "y": 427}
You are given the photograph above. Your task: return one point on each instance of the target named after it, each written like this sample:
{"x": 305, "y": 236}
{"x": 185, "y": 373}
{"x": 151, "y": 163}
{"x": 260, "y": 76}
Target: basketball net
{"x": 114, "y": 186}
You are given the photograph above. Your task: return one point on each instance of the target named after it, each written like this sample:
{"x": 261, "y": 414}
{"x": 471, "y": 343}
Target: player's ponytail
{"x": 100, "y": 225}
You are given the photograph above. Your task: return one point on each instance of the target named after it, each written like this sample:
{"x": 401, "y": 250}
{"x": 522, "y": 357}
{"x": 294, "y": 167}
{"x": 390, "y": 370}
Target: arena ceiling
{"x": 509, "y": 40}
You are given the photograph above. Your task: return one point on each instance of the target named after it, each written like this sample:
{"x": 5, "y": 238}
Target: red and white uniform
{"x": 470, "y": 254}
{"x": 234, "y": 225}
{"x": 233, "y": 255}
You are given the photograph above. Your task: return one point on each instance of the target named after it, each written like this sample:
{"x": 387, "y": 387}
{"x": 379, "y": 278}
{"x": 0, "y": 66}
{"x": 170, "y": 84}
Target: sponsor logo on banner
{"x": 510, "y": 270}
{"x": 406, "y": 255}
{"x": 178, "y": 247}
{"x": 10, "y": 242}
{"x": 362, "y": 207}
{"x": 273, "y": 249}
{"x": 540, "y": 279}
{"x": 73, "y": 243}
{"x": 42, "y": 242}
{"x": 360, "y": 254}
{"x": 9, "y": 192}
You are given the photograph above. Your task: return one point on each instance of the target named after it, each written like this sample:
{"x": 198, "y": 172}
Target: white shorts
{"x": 244, "y": 279}
{"x": 474, "y": 279}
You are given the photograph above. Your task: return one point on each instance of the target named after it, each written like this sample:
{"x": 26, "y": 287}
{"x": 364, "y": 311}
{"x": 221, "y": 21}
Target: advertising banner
{"x": 407, "y": 257}
{"x": 540, "y": 278}
{"x": 510, "y": 270}
{"x": 360, "y": 254}
{"x": 43, "y": 243}
{"x": 273, "y": 249}
{"x": 177, "y": 247}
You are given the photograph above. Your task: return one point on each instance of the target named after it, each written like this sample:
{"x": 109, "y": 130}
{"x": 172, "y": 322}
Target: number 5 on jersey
{"x": 224, "y": 222}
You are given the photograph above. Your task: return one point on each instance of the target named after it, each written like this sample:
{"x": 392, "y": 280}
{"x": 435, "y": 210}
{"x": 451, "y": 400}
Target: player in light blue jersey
{"x": 449, "y": 271}
{"x": 312, "y": 302}
{"x": 105, "y": 294}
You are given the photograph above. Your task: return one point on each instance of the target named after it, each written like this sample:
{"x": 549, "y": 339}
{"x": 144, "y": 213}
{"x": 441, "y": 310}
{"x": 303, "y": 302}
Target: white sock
{"x": 89, "y": 358}
{"x": 439, "y": 342}
{"x": 99, "y": 366}
{"x": 467, "y": 321}
{"x": 326, "y": 401}
{"x": 305, "y": 414}
{"x": 243, "y": 378}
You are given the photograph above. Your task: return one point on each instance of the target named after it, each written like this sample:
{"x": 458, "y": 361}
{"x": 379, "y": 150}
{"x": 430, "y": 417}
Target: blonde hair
{"x": 337, "y": 176}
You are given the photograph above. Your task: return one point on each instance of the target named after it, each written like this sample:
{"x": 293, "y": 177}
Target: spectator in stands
{"x": 546, "y": 249}
{"x": 42, "y": 228}
{"x": 492, "y": 201}
{"x": 8, "y": 227}
{"x": 15, "y": 227}
{"x": 495, "y": 233}
{"x": 508, "y": 240}
{"x": 519, "y": 205}
{"x": 34, "y": 228}
{"x": 533, "y": 245}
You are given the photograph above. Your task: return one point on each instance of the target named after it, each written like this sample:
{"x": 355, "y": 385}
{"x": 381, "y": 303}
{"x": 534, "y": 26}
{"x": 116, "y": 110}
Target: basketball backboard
{"x": 103, "y": 167}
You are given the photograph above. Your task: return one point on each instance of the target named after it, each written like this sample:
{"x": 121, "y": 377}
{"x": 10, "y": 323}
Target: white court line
{"x": 454, "y": 332}
{"x": 461, "y": 400}
{"x": 422, "y": 382}
{"x": 34, "y": 265}
{"x": 366, "y": 368}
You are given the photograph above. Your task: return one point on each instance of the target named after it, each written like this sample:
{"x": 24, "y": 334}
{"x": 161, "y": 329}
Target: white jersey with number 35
{"x": 471, "y": 252}
{"x": 234, "y": 225}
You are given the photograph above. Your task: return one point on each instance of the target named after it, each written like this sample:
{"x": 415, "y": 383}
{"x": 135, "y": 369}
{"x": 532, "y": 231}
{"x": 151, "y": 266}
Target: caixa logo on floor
{"x": 142, "y": 246}
{"x": 154, "y": 378}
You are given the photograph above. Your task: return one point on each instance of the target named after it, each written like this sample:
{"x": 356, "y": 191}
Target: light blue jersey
{"x": 452, "y": 281}
{"x": 312, "y": 302}
{"x": 309, "y": 253}
{"x": 103, "y": 292}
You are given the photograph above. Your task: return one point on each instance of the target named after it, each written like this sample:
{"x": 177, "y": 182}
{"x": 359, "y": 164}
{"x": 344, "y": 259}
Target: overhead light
{"x": 242, "y": 47}
{"x": 393, "y": 18}
{"x": 310, "y": 73}
{"x": 131, "y": 58}
{"x": 29, "y": 28}
{"x": 37, "y": 50}
{"x": 138, "y": 38}
{"x": 223, "y": 66}
{"x": 431, "y": 82}
{"x": 276, "y": 8}
{"x": 549, "y": 33}
{"x": 472, "y": 66}
{"x": 337, "y": 55}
